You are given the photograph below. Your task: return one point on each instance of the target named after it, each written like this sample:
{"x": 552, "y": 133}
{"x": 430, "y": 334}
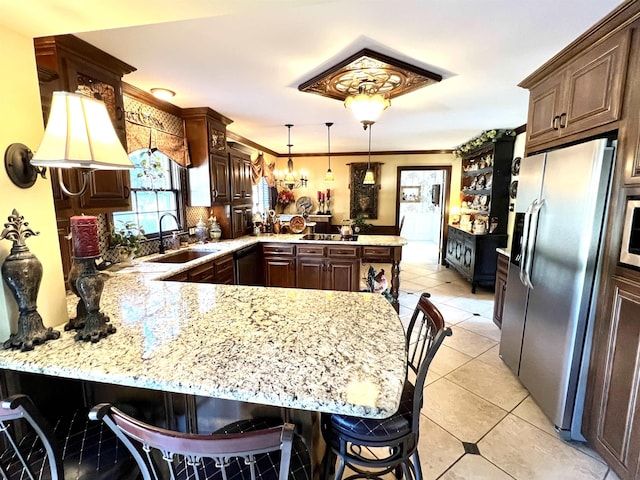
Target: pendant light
{"x": 369, "y": 179}
{"x": 329, "y": 177}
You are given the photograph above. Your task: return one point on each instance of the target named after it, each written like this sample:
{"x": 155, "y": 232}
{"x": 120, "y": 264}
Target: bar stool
{"x": 374, "y": 447}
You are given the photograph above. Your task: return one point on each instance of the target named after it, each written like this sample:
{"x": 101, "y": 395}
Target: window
{"x": 261, "y": 197}
{"x": 154, "y": 191}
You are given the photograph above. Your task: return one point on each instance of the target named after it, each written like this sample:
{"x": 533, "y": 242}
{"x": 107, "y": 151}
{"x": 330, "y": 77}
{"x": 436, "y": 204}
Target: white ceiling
{"x": 246, "y": 58}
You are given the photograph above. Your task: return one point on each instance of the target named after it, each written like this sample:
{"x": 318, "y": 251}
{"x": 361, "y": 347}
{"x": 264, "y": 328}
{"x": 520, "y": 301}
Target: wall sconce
{"x": 79, "y": 134}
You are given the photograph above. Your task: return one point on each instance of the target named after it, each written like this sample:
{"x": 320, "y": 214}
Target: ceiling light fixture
{"x": 163, "y": 93}
{"x": 329, "y": 177}
{"x": 289, "y": 179}
{"x": 367, "y": 104}
{"x": 369, "y": 178}
{"x": 79, "y": 134}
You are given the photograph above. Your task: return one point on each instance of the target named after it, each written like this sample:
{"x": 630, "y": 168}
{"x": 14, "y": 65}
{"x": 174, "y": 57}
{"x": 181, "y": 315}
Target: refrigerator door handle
{"x": 535, "y": 216}
{"x": 525, "y": 242}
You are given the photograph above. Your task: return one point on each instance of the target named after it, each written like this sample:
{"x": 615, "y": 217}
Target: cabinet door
{"x": 545, "y": 101}
{"x": 219, "y": 170}
{"x": 280, "y": 271}
{"x": 595, "y": 82}
{"x": 240, "y": 221}
{"x": 343, "y": 275}
{"x": 237, "y": 182}
{"x": 202, "y": 273}
{"x": 247, "y": 186}
{"x": 310, "y": 272}
{"x": 107, "y": 189}
{"x": 223, "y": 268}
{"x": 614, "y": 420}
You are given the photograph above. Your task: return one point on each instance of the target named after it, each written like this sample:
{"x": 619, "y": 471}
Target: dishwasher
{"x": 248, "y": 266}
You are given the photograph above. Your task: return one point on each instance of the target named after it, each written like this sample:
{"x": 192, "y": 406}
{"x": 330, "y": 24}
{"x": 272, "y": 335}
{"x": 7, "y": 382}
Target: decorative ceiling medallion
{"x": 390, "y": 77}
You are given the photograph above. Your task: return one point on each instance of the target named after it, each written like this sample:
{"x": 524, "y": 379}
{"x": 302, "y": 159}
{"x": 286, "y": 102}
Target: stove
{"x": 333, "y": 237}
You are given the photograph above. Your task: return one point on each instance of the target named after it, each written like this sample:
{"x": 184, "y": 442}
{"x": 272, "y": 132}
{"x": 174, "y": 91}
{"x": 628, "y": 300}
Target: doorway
{"x": 422, "y": 199}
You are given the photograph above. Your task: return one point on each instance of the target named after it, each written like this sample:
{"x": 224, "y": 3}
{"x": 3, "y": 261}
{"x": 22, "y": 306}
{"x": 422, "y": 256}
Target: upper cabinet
{"x": 586, "y": 93}
{"x": 240, "y": 163}
{"x": 206, "y": 132}
{"x": 67, "y": 63}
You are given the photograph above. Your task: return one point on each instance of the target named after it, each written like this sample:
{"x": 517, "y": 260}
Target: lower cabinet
{"x": 219, "y": 270}
{"x": 328, "y": 267}
{"x": 501, "y": 288}
{"x": 613, "y": 424}
{"x": 474, "y": 256}
{"x": 279, "y": 265}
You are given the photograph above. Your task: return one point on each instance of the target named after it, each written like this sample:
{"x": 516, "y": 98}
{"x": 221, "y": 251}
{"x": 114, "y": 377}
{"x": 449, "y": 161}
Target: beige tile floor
{"x": 471, "y": 396}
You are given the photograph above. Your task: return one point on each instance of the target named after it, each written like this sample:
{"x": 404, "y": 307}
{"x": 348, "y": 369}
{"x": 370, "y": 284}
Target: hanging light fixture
{"x": 369, "y": 179}
{"x": 368, "y": 104}
{"x": 289, "y": 179}
{"x": 329, "y": 176}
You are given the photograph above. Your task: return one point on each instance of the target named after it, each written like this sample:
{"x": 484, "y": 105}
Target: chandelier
{"x": 289, "y": 179}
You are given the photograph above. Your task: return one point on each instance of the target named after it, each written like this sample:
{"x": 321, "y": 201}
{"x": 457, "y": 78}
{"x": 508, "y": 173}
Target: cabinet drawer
{"x": 377, "y": 252}
{"x": 279, "y": 248}
{"x": 202, "y": 273}
{"x": 223, "y": 264}
{"x": 340, "y": 251}
{"x": 178, "y": 277}
{"x": 311, "y": 250}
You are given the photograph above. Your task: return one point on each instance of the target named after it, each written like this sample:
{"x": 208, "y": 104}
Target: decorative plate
{"x": 513, "y": 189}
{"x": 515, "y": 166}
{"x": 304, "y": 205}
{"x": 297, "y": 224}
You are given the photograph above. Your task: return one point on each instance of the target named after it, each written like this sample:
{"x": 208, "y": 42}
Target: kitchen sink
{"x": 182, "y": 257}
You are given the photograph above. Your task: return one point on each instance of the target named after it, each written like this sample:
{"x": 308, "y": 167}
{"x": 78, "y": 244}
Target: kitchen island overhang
{"x": 324, "y": 351}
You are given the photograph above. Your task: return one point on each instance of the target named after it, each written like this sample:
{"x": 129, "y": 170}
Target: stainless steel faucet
{"x": 161, "y": 249}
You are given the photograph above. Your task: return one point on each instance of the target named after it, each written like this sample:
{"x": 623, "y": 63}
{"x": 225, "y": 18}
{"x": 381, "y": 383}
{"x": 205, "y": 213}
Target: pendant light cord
{"x": 369, "y": 162}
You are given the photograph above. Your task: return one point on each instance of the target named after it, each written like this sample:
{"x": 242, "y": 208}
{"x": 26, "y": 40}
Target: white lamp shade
{"x": 365, "y": 107}
{"x": 329, "y": 176}
{"x": 80, "y": 134}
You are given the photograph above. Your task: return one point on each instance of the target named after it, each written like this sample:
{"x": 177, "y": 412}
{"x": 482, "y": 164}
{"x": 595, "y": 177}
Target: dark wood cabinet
{"x": 279, "y": 264}
{"x": 218, "y": 271}
{"x": 474, "y": 256}
{"x": 328, "y": 267}
{"x": 241, "y": 220}
{"x": 502, "y": 272}
{"x": 241, "y": 189}
{"x": 586, "y": 93}
{"x": 67, "y": 63}
{"x": 209, "y": 179}
{"x": 615, "y": 421}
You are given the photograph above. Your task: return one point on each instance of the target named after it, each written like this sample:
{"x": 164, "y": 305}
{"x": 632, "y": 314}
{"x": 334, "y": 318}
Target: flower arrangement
{"x": 127, "y": 238}
{"x": 285, "y": 197}
{"x": 484, "y": 137}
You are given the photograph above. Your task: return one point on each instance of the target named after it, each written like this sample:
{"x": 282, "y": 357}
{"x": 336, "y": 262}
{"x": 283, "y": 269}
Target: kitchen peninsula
{"x": 300, "y": 349}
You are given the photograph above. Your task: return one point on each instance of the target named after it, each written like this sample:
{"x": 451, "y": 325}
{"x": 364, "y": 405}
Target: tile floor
{"x": 471, "y": 396}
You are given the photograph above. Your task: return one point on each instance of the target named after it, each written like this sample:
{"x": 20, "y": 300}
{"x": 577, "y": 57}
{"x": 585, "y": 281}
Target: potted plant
{"x": 127, "y": 240}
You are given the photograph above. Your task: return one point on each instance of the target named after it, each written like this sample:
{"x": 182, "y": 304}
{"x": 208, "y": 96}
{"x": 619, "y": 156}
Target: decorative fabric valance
{"x": 171, "y": 145}
{"x": 261, "y": 168}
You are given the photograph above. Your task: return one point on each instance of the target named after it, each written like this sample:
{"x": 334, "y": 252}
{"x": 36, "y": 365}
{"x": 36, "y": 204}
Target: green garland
{"x": 484, "y": 137}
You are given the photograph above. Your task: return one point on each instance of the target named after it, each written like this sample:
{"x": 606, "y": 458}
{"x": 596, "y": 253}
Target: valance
{"x": 171, "y": 145}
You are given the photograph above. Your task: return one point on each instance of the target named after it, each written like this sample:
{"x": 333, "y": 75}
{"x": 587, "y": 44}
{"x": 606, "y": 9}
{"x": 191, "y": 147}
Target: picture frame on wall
{"x": 411, "y": 194}
{"x": 363, "y": 198}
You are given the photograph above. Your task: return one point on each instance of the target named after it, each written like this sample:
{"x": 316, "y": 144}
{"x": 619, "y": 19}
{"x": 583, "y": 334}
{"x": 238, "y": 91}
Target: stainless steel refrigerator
{"x": 550, "y": 299}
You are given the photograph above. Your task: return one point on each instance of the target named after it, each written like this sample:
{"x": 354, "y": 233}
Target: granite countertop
{"x": 303, "y": 349}
{"x": 158, "y": 271}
